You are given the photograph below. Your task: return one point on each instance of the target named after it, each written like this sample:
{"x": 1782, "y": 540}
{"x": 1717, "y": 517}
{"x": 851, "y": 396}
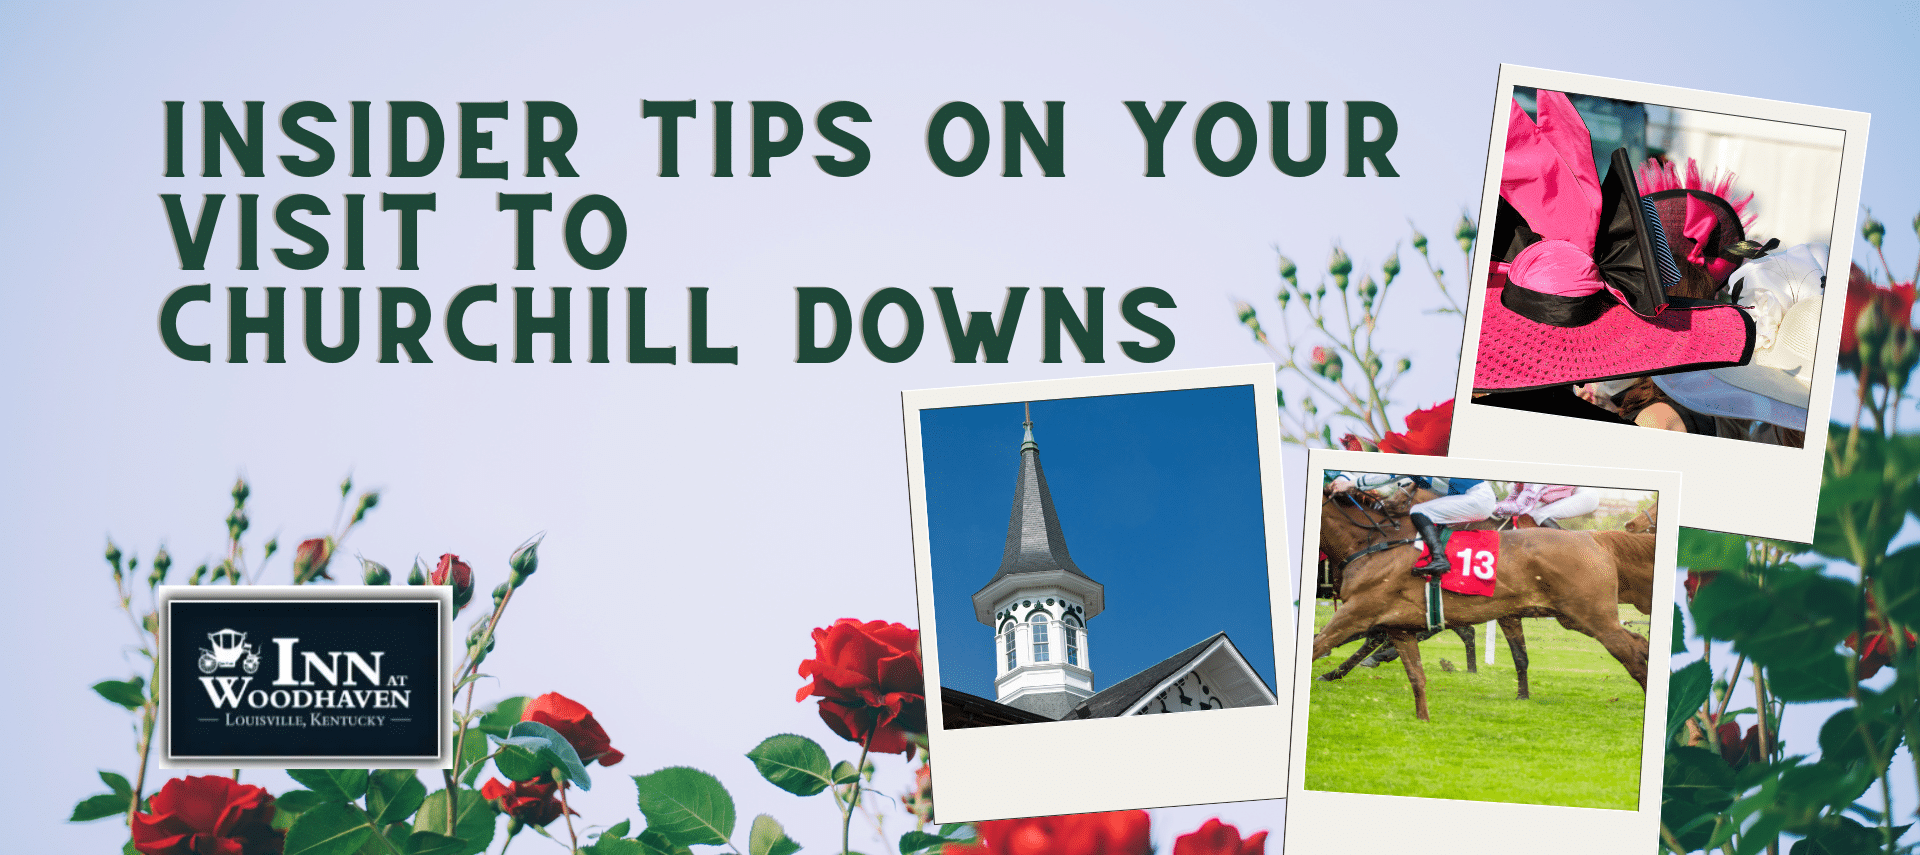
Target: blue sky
{"x": 1159, "y": 497}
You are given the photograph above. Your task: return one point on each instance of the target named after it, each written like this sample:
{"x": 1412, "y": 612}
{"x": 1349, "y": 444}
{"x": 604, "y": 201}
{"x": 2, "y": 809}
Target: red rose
{"x": 920, "y": 798}
{"x": 208, "y": 816}
{"x": 1696, "y": 579}
{"x": 1427, "y": 432}
{"x": 867, "y": 676}
{"x": 1732, "y": 747}
{"x": 1117, "y": 833}
{"x": 1353, "y": 443}
{"x": 576, "y": 723}
{"x": 1893, "y": 304}
{"x": 534, "y": 802}
{"x": 1219, "y": 838}
{"x": 452, "y": 571}
{"x": 310, "y": 560}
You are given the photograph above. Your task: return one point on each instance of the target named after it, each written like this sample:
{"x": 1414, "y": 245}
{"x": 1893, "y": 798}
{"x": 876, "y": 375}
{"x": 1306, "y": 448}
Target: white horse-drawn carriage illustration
{"x": 229, "y": 647}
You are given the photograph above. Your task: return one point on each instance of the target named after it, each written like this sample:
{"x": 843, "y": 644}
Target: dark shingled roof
{"x": 1034, "y": 541}
{"x": 1115, "y": 699}
{"x": 959, "y": 709}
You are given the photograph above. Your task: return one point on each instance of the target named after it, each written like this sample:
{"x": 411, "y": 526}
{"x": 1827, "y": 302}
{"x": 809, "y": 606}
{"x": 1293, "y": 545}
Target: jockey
{"x": 1462, "y": 500}
{"x": 1545, "y": 502}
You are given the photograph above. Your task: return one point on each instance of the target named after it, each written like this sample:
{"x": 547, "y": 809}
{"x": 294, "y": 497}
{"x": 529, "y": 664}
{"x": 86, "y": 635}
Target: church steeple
{"x": 1039, "y": 600}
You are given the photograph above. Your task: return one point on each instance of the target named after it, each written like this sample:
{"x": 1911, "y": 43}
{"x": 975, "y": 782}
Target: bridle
{"x": 1376, "y": 527}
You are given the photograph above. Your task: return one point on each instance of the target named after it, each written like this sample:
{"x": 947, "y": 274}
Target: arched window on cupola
{"x": 1072, "y": 629}
{"x": 1039, "y": 621}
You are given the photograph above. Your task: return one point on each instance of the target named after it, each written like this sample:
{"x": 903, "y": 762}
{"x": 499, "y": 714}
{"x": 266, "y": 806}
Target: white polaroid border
{"x": 1757, "y": 489}
{"x": 1118, "y": 763}
{"x": 442, "y": 595}
{"x": 1320, "y": 821}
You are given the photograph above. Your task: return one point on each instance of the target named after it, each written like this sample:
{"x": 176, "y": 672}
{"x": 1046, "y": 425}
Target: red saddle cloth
{"x": 1475, "y": 556}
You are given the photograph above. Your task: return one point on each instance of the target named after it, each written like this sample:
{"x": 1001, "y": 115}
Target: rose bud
{"x": 240, "y": 492}
{"x": 367, "y": 501}
{"x": 199, "y": 575}
{"x": 310, "y": 560}
{"x": 500, "y": 593}
{"x": 419, "y": 574}
{"x": 346, "y": 486}
{"x": 524, "y": 561}
{"x": 1874, "y": 231}
{"x": 375, "y": 573}
{"x": 532, "y": 802}
{"x": 273, "y": 546}
{"x": 452, "y": 571}
{"x": 161, "y": 563}
{"x": 474, "y": 639}
{"x": 113, "y": 558}
{"x": 1419, "y": 242}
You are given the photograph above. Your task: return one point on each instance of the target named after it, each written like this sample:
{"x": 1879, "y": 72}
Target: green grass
{"x": 1576, "y": 743}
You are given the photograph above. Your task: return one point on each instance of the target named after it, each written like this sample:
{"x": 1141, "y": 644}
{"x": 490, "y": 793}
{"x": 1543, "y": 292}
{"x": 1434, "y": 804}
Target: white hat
{"x": 1782, "y": 292}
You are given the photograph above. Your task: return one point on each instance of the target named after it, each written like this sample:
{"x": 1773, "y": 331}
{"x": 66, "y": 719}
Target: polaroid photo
{"x": 1068, "y": 607}
{"x": 1650, "y": 289}
{"x": 1403, "y": 706}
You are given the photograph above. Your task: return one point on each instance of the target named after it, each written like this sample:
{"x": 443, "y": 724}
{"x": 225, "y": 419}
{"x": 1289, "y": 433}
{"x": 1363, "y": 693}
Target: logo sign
{"x": 275, "y": 677}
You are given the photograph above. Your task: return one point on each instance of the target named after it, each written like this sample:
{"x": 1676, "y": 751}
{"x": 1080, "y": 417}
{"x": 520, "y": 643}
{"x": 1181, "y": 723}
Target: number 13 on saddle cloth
{"x": 1475, "y": 556}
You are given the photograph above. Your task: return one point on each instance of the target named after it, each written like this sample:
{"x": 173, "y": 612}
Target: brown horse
{"x": 1545, "y": 573}
{"x": 1636, "y": 589}
{"x": 1648, "y": 522}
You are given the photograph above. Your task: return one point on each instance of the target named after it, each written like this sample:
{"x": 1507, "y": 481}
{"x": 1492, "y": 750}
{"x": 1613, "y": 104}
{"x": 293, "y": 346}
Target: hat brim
{"x": 1517, "y": 354}
{"x": 1762, "y": 394}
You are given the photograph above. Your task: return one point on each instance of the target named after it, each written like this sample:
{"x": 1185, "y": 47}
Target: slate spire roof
{"x": 1035, "y": 542}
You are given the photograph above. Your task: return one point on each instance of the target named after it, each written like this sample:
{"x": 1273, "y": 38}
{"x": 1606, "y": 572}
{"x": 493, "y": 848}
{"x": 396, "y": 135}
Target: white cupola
{"x": 1039, "y": 603}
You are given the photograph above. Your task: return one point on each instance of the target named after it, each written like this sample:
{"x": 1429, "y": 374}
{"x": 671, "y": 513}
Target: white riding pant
{"x": 1472, "y": 506}
{"x": 1583, "y": 501}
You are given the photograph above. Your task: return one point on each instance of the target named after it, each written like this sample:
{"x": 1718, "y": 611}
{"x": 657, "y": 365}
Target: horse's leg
{"x": 1343, "y": 627}
{"x": 1375, "y": 639}
{"x": 1517, "y": 643}
{"x": 1465, "y": 631}
{"x": 1630, "y": 649}
{"x": 1409, "y": 646}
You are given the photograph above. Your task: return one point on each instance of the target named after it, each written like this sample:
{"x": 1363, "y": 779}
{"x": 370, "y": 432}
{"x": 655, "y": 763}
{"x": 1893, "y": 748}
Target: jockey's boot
{"x": 1437, "y": 561}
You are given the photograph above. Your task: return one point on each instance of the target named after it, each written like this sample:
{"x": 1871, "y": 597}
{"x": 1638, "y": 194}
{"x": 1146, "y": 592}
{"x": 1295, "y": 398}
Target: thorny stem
{"x": 567, "y": 814}
{"x": 853, "y": 798}
{"x": 467, "y": 668}
{"x": 1672, "y": 842}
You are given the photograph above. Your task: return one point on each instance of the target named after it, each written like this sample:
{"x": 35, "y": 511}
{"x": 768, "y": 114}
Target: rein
{"x": 1377, "y": 527}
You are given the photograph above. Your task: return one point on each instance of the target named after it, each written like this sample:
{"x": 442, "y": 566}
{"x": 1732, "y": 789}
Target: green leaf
{"x": 331, "y": 829}
{"x": 546, "y": 746}
{"x": 654, "y": 843}
{"x": 619, "y": 829}
{"x": 393, "y": 795}
{"x": 1712, "y": 550}
{"x": 117, "y": 783}
{"x": 793, "y": 763}
{"x": 844, "y": 773}
{"x": 1847, "y": 737}
{"x": 503, "y": 716}
{"x": 299, "y": 801}
{"x": 1687, "y": 689}
{"x": 344, "y": 785}
{"x": 127, "y": 693}
{"x": 1819, "y": 679}
{"x": 766, "y": 837}
{"x": 472, "y": 830}
{"x": 686, "y": 805}
{"x": 915, "y": 841}
{"x": 1900, "y": 581}
{"x": 473, "y": 757}
{"x": 519, "y": 764}
{"x": 100, "y": 807}
{"x": 1679, "y": 631}
{"x": 613, "y": 844}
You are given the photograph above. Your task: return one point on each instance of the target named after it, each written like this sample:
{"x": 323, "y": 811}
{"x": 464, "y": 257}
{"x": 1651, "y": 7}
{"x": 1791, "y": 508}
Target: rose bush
{"x": 1893, "y": 305}
{"x": 1219, "y": 838}
{"x": 208, "y": 815}
{"x": 867, "y": 677}
{"x": 1116, "y": 833}
{"x": 576, "y": 723}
